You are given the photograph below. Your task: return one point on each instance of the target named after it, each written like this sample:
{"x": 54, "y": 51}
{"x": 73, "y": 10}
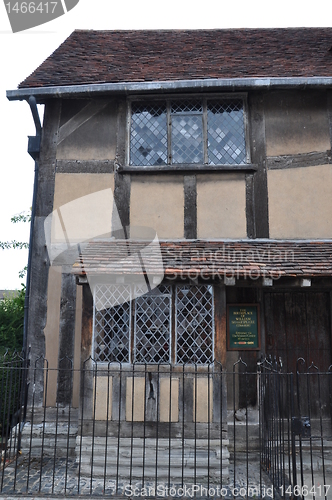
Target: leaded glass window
{"x": 148, "y": 135}
{"x": 152, "y": 326}
{"x": 149, "y": 337}
{"x": 194, "y": 324}
{"x": 112, "y": 323}
{"x": 188, "y": 131}
{"x": 226, "y": 138}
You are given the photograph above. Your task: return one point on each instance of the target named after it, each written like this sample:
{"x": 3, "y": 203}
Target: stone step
{"x": 151, "y": 442}
{"x": 50, "y": 438}
{"x": 162, "y": 460}
{"x": 150, "y": 472}
{"x": 49, "y": 429}
{"x": 136, "y": 451}
{"x": 316, "y": 465}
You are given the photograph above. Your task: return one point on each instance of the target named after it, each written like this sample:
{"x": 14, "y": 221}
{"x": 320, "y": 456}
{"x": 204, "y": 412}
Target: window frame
{"x": 173, "y": 167}
{"x": 173, "y": 331}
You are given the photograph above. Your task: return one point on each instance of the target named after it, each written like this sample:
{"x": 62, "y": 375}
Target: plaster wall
{"x": 157, "y": 201}
{"x": 203, "y": 409}
{"x": 300, "y": 202}
{"x": 296, "y": 122}
{"x": 221, "y": 206}
{"x": 84, "y": 204}
{"x": 103, "y": 408}
{"x": 135, "y": 409}
{"x": 88, "y": 130}
{"x": 169, "y": 394}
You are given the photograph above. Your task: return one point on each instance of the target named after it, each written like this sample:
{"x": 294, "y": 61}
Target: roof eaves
{"x": 167, "y": 86}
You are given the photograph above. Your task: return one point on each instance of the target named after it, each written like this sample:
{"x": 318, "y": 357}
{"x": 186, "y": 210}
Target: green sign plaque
{"x": 243, "y": 326}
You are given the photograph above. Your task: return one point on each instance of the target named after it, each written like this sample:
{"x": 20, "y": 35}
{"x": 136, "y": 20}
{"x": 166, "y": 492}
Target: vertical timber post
{"x": 257, "y": 196}
{"x": 220, "y": 317}
{"x": 86, "y": 351}
{"x": 66, "y": 338}
{"x": 122, "y": 182}
{"x": 190, "y": 207}
{"x": 40, "y": 260}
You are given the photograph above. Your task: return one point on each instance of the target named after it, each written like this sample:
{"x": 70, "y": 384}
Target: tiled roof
{"x": 89, "y": 56}
{"x": 193, "y": 258}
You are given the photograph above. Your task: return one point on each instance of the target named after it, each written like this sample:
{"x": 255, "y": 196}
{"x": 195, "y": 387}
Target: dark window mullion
{"x": 205, "y": 137}
{"x": 169, "y": 133}
{"x": 173, "y": 333}
{"x": 132, "y": 326}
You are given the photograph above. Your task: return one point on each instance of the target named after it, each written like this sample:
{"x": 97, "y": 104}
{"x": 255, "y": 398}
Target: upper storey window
{"x": 188, "y": 131}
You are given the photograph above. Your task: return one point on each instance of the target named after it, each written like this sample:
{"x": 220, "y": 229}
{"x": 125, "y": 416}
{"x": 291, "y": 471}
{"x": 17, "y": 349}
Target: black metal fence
{"x": 165, "y": 431}
{"x": 295, "y": 429}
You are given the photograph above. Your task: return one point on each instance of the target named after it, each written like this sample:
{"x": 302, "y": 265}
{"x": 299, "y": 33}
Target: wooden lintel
{"x": 84, "y": 167}
{"x": 299, "y": 160}
{"x": 183, "y": 168}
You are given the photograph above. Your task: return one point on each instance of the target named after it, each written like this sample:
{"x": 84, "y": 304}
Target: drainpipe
{"x": 33, "y": 150}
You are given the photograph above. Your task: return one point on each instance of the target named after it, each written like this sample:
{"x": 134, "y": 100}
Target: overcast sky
{"x": 21, "y": 53}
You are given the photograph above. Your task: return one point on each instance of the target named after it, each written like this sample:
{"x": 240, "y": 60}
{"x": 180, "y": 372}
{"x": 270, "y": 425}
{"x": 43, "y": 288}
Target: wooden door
{"x": 298, "y": 324}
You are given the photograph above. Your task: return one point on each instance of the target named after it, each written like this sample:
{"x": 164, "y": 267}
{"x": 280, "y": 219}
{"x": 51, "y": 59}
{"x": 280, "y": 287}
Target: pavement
{"x": 22, "y": 480}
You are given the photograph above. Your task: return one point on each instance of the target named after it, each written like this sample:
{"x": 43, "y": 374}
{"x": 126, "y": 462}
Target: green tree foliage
{"x": 21, "y": 217}
{"x": 11, "y": 321}
{"x": 12, "y": 307}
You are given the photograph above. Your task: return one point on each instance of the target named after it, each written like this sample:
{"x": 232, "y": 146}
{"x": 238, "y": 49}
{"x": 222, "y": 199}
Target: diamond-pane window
{"x": 148, "y": 135}
{"x": 187, "y": 139}
{"x": 152, "y": 326}
{"x": 188, "y": 131}
{"x": 192, "y": 332}
{"x": 187, "y": 106}
{"x": 112, "y": 323}
{"x": 226, "y": 137}
{"x": 194, "y": 324}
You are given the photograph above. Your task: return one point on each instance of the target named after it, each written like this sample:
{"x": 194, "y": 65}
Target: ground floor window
{"x": 170, "y": 324}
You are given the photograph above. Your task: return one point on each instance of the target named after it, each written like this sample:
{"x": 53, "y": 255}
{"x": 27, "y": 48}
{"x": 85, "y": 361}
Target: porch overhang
{"x": 223, "y": 259}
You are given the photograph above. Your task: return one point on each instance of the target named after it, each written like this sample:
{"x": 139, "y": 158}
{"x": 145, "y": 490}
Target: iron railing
{"x": 165, "y": 430}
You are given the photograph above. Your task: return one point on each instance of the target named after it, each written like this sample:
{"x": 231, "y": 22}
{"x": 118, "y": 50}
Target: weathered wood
{"x": 251, "y": 230}
{"x": 84, "y": 167}
{"x": 295, "y": 329}
{"x": 187, "y": 168}
{"x": 122, "y": 183}
{"x": 87, "y": 378}
{"x": 220, "y": 318}
{"x": 190, "y": 206}
{"x": 299, "y": 160}
{"x": 66, "y": 338}
{"x": 258, "y": 156}
{"x": 87, "y": 316}
{"x": 40, "y": 259}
